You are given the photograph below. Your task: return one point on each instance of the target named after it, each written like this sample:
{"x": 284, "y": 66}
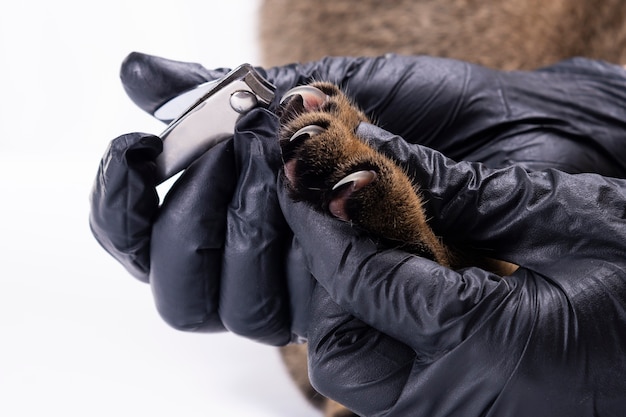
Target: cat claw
{"x": 312, "y": 97}
{"x": 359, "y": 179}
{"x": 338, "y": 205}
{"x": 310, "y": 130}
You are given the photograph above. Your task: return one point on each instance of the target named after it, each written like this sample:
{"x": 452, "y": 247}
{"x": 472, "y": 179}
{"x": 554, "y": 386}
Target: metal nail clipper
{"x": 206, "y": 115}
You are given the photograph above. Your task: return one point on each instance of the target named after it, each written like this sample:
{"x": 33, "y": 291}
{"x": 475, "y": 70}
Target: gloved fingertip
{"x": 134, "y": 147}
{"x": 148, "y": 147}
{"x": 150, "y": 80}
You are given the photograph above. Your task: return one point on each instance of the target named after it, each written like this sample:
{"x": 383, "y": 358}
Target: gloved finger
{"x": 188, "y": 239}
{"x": 511, "y": 214}
{"x": 150, "y": 81}
{"x": 124, "y": 200}
{"x": 414, "y": 300}
{"x": 253, "y": 295}
{"x": 351, "y": 362}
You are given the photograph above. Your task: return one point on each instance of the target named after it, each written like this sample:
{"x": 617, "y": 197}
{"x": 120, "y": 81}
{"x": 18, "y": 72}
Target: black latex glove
{"x": 398, "y": 335}
{"x": 217, "y": 252}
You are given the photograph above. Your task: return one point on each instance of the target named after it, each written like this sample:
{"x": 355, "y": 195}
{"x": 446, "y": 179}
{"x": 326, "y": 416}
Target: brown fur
{"x": 505, "y": 34}
{"x": 388, "y": 208}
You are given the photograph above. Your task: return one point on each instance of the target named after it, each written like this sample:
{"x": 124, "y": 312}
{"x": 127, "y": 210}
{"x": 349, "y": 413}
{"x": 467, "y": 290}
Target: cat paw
{"x": 327, "y": 165}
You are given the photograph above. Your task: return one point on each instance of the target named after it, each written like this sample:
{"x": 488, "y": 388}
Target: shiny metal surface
{"x": 212, "y": 110}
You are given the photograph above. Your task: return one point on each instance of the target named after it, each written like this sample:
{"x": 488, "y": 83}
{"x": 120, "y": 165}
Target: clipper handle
{"x": 210, "y": 119}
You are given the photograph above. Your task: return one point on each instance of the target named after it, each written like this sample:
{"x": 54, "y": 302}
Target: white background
{"x": 78, "y": 335}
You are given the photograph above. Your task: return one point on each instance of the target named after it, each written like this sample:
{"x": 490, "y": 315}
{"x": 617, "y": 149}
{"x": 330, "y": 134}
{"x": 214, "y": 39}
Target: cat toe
{"x": 290, "y": 144}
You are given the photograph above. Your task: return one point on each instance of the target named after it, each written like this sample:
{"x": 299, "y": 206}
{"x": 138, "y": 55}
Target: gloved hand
{"x": 217, "y": 252}
{"x": 398, "y": 335}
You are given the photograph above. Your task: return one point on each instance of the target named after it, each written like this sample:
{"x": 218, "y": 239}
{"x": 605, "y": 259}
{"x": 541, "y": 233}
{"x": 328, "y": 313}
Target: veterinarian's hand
{"x": 395, "y": 334}
{"x": 217, "y": 251}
